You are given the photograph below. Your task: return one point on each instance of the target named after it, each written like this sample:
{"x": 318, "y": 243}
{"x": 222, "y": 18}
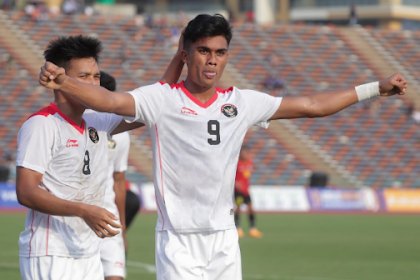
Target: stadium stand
{"x": 374, "y": 140}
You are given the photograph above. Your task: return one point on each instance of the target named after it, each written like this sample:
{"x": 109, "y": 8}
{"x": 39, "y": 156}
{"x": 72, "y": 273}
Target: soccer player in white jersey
{"x": 113, "y": 249}
{"x": 197, "y": 130}
{"x": 62, "y": 163}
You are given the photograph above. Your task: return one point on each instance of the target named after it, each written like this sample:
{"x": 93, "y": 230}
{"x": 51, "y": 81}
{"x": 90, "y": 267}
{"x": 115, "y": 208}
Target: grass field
{"x": 294, "y": 247}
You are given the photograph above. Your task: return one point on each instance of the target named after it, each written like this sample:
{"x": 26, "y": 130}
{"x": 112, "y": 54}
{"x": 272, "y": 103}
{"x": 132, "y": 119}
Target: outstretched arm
{"x": 99, "y": 98}
{"x": 93, "y": 97}
{"x": 328, "y": 103}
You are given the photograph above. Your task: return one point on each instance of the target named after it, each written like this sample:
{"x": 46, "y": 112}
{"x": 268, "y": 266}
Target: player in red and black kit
{"x": 243, "y": 176}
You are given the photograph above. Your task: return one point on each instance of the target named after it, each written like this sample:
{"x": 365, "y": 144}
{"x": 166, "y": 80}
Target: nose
{"x": 212, "y": 59}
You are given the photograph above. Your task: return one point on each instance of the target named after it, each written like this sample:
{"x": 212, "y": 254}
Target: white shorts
{"x": 113, "y": 256}
{"x": 61, "y": 268}
{"x": 211, "y": 255}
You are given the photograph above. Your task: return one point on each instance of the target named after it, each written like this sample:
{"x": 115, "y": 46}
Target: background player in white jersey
{"x": 62, "y": 165}
{"x": 113, "y": 249}
{"x": 197, "y": 130}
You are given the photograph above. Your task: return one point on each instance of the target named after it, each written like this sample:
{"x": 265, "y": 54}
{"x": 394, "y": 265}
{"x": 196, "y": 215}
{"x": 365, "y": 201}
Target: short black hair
{"x": 205, "y": 25}
{"x": 108, "y": 82}
{"x": 62, "y": 50}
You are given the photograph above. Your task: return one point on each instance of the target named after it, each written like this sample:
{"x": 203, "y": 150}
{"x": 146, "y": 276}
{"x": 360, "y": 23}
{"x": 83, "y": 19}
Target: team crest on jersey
{"x": 229, "y": 110}
{"x": 112, "y": 144}
{"x": 93, "y": 135}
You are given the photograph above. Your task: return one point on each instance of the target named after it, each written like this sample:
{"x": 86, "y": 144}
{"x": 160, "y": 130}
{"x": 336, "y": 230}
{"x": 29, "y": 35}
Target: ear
{"x": 184, "y": 56}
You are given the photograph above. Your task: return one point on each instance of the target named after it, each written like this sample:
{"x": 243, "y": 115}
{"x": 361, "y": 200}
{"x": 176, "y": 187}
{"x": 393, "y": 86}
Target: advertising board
{"x": 323, "y": 199}
{"x": 402, "y": 200}
{"x": 279, "y": 198}
{"x": 8, "y": 198}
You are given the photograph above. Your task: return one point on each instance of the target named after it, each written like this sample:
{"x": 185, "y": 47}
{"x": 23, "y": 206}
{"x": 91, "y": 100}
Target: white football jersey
{"x": 73, "y": 160}
{"x": 195, "y": 150}
{"x": 119, "y": 147}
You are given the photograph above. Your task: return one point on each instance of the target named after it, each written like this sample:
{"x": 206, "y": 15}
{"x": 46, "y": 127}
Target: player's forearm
{"x": 174, "y": 70}
{"x": 328, "y": 103}
{"x": 120, "y": 196}
{"x": 45, "y": 202}
{"x": 94, "y": 97}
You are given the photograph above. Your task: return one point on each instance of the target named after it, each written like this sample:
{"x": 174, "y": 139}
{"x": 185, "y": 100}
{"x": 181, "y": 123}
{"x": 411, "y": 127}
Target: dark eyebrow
{"x": 89, "y": 73}
{"x": 204, "y": 48}
{"x": 208, "y": 49}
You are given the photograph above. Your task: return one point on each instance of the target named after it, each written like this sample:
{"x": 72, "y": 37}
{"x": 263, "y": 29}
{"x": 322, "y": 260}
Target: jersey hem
{"x": 58, "y": 254}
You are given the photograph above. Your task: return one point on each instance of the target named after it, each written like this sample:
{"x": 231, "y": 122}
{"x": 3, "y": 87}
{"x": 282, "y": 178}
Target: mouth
{"x": 209, "y": 74}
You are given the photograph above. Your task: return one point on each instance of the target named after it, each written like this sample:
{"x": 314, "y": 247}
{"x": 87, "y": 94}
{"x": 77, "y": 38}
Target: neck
{"x": 72, "y": 111}
{"x": 203, "y": 94}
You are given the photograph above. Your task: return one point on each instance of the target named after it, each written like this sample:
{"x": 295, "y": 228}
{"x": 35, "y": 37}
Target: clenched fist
{"x": 52, "y": 76}
{"x": 396, "y": 84}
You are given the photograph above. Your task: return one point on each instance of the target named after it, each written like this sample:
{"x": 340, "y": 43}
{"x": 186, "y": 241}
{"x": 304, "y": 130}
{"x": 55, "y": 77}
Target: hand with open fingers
{"x": 101, "y": 221}
{"x": 396, "y": 84}
{"x": 52, "y": 76}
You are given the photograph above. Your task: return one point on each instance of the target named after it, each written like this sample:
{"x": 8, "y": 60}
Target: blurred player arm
{"x": 30, "y": 195}
{"x": 124, "y": 126}
{"x": 120, "y": 194}
{"x": 328, "y": 103}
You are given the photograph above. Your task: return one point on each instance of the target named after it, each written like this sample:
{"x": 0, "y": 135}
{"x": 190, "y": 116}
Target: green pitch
{"x": 294, "y": 247}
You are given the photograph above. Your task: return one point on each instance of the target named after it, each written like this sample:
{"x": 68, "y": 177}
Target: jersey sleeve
{"x": 35, "y": 144}
{"x": 148, "y": 102}
{"x": 121, "y": 151}
{"x": 111, "y": 121}
{"x": 261, "y": 107}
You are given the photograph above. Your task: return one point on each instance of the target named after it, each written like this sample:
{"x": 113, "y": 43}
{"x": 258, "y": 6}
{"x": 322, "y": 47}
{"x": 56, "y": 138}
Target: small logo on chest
{"x": 186, "y": 110}
{"x": 93, "y": 135}
{"x": 72, "y": 143}
{"x": 229, "y": 110}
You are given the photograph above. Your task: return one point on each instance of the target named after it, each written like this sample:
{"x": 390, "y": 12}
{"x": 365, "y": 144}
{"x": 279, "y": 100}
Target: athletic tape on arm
{"x": 366, "y": 91}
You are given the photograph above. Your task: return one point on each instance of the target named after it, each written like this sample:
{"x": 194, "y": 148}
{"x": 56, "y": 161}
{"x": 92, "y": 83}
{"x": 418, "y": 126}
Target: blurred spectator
{"x": 89, "y": 11}
{"x": 149, "y": 21}
{"x": 160, "y": 38}
{"x": 416, "y": 116}
{"x": 249, "y": 15}
{"x": 174, "y": 37}
{"x": 123, "y": 52}
{"x": 30, "y": 9}
{"x": 37, "y": 10}
{"x": 410, "y": 109}
{"x": 231, "y": 16}
{"x": 182, "y": 18}
{"x": 55, "y": 11}
{"x": 7, "y": 5}
{"x": 353, "y": 15}
{"x": 274, "y": 60}
{"x": 7, "y": 62}
{"x": 273, "y": 83}
{"x": 70, "y": 7}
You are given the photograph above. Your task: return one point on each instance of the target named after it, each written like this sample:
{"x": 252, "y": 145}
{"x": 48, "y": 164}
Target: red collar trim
{"x": 52, "y": 109}
{"x": 194, "y": 99}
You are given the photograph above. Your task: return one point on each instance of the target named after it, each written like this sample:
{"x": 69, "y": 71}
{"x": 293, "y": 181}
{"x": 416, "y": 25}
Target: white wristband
{"x": 366, "y": 91}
